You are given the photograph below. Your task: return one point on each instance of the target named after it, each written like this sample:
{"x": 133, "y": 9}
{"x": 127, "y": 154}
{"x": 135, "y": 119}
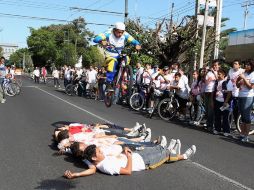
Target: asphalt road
{"x": 27, "y": 158}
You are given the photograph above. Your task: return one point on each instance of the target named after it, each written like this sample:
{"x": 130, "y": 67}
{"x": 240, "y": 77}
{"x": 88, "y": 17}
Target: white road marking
{"x": 224, "y": 178}
{"x": 82, "y": 109}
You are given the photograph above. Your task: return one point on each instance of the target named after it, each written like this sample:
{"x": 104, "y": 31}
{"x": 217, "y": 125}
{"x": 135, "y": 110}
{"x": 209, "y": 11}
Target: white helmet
{"x": 119, "y": 26}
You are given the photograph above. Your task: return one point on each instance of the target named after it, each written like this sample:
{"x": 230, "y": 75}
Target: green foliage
{"x": 59, "y": 44}
{"x": 18, "y": 56}
{"x": 92, "y": 56}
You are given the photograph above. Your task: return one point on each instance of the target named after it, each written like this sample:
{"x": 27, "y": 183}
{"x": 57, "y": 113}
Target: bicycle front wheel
{"x": 137, "y": 101}
{"x": 69, "y": 89}
{"x": 167, "y": 108}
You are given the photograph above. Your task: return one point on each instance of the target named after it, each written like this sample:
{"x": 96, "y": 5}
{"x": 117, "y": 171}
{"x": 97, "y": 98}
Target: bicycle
{"x": 9, "y": 88}
{"x": 239, "y": 122}
{"x": 197, "y": 119}
{"x": 139, "y": 99}
{"x": 72, "y": 89}
{"x": 168, "y": 107}
{"x": 124, "y": 78}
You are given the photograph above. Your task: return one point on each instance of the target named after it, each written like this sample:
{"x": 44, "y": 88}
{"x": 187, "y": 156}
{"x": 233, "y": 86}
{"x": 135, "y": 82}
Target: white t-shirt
{"x": 55, "y": 74}
{"x": 210, "y": 85}
{"x": 244, "y": 90}
{"x": 183, "y": 91}
{"x": 36, "y": 72}
{"x": 138, "y": 75}
{"x": 163, "y": 84}
{"x": 219, "y": 92}
{"x": 233, "y": 75}
{"x": 112, "y": 164}
{"x": 91, "y": 76}
{"x": 147, "y": 76}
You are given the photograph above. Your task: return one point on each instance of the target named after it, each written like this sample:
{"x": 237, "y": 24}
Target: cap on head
{"x": 119, "y": 26}
{"x": 165, "y": 68}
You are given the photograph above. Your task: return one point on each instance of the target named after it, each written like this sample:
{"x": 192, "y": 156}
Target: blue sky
{"x": 16, "y": 30}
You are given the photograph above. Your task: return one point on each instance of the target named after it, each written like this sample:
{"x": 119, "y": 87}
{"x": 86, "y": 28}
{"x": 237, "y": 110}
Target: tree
{"x": 18, "y": 56}
{"x": 59, "y": 44}
{"x": 92, "y": 56}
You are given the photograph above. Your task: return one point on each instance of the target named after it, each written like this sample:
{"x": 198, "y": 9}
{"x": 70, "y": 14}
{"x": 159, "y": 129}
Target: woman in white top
{"x": 245, "y": 82}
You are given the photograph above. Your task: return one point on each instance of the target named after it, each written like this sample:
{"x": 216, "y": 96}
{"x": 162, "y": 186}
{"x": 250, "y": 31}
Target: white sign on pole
{"x": 211, "y": 12}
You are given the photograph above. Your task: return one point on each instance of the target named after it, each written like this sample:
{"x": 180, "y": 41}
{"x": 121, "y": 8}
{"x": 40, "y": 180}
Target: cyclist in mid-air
{"x": 116, "y": 37}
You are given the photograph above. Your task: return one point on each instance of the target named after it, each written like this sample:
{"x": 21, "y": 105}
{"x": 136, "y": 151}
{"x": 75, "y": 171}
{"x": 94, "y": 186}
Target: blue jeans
{"x": 154, "y": 156}
{"x": 245, "y": 105}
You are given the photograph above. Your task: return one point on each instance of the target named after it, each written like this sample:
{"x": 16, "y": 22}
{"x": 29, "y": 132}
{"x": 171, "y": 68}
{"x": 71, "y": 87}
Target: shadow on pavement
{"x": 56, "y": 184}
{"x": 62, "y": 123}
{"x": 238, "y": 142}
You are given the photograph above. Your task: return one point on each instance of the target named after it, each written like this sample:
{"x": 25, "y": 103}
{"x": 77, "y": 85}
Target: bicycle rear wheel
{"x": 239, "y": 122}
{"x": 167, "y": 108}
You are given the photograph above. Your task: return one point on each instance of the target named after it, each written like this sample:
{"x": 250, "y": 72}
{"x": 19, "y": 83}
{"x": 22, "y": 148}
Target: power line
{"x": 95, "y": 10}
{"x": 47, "y": 19}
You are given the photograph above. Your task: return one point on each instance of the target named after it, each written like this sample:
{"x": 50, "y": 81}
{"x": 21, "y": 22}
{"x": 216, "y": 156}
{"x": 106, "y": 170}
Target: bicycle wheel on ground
{"x": 167, "y": 108}
{"x": 108, "y": 99}
{"x": 137, "y": 101}
{"x": 69, "y": 89}
{"x": 239, "y": 122}
{"x": 10, "y": 89}
{"x": 16, "y": 88}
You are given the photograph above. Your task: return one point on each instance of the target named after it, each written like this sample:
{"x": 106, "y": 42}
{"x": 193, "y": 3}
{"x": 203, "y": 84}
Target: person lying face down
{"x": 127, "y": 161}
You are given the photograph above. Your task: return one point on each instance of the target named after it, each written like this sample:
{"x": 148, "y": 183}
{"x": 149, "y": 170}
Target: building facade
{"x": 240, "y": 45}
{"x": 8, "y": 49}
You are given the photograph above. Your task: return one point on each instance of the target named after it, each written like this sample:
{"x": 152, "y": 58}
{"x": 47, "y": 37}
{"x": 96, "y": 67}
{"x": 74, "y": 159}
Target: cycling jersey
{"x": 117, "y": 42}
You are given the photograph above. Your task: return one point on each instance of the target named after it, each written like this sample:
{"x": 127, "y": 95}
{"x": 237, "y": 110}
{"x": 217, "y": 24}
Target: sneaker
{"x": 226, "y": 134}
{"x": 181, "y": 117}
{"x": 215, "y": 132}
{"x": 171, "y": 145}
{"x": 3, "y": 101}
{"x": 190, "y": 152}
{"x": 163, "y": 142}
{"x": 142, "y": 129}
{"x": 178, "y": 147}
{"x": 197, "y": 123}
{"x": 148, "y": 135}
{"x": 245, "y": 139}
{"x": 136, "y": 127}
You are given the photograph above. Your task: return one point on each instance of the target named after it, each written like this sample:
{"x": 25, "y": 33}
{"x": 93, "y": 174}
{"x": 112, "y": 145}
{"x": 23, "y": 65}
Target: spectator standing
{"x": 210, "y": 79}
{"x": 44, "y": 74}
{"x": 220, "y": 105}
{"x": 36, "y": 75}
{"x": 233, "y": 74}
{"x": 56, "y": 75}
{"x": 139, "y": 73}
{"x": 2, "y": 77}
{"x": 245, "y": 82}
{"x": 101, "y": 82}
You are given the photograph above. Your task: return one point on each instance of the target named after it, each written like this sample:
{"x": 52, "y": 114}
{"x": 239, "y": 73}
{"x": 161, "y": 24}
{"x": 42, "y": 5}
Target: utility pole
{"x": 218, "y": 28}
{"x": 196, "y": 36}
{"x": 171, "y": 17}
{"x": 24, "y": 61}
{"x": 202, "y": 52}
{"x": 246, "y": 4}
{"x": 126, "y": 11}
